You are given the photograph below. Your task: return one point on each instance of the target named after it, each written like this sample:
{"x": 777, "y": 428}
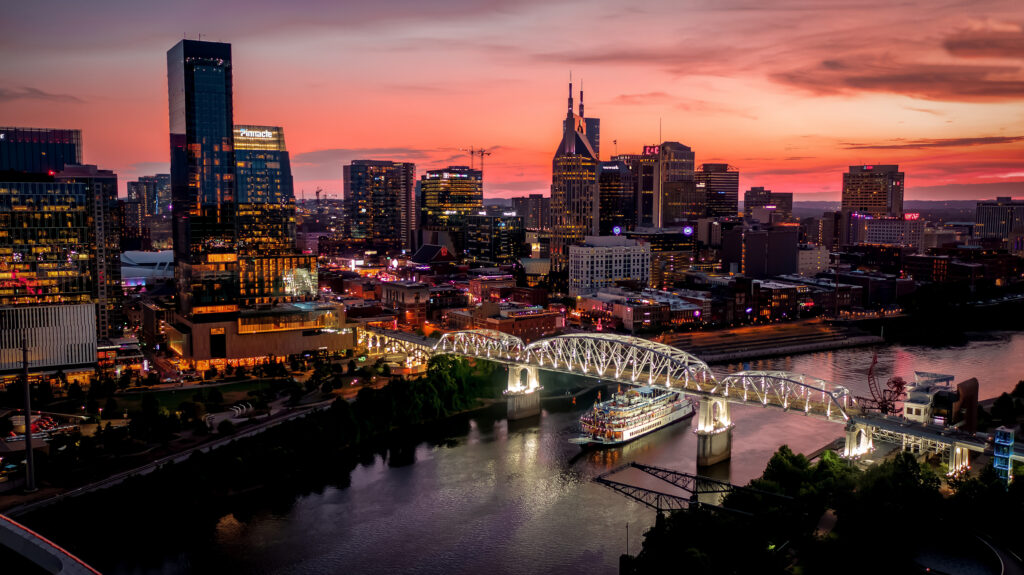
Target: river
{"x": 511, "y": 498}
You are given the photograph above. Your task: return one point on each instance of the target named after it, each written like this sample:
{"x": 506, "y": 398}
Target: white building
{"x": 894, "y": 231}
{"x": 601, "y": 261}
{"x": 811, "y": 259}
{"x": 58, "y": 337}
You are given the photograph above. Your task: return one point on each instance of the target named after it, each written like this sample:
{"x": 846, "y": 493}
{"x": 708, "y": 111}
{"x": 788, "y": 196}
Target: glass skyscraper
{"x": 617, "y": 206}
{"x": 203, "y": 176}
{"x": 452, "y": 191}
{"x": 875, "y": 191}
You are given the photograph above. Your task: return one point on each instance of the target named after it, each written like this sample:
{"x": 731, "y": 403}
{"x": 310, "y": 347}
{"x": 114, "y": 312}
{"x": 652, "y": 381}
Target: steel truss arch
{"x": 482, "y": 343}
{"x": 639, "y": 361}
{"x": 789, "y": 391}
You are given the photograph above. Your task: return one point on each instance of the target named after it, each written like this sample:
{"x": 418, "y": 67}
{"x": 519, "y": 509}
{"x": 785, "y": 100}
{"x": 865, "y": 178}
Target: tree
{"x": 152, "y": 379}
{"x": 240, "y": 372}
{"x": 75, "y": 392}
{"x": 110, "y": 409}
{"x": 211, "y": 373}
{"x": 1003, "y": 410}
{"x": 229, "y": 370}
{"x": 226, "y": 427}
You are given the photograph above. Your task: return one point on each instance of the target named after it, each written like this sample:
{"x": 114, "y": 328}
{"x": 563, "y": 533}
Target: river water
{"x": 517, "y": 498}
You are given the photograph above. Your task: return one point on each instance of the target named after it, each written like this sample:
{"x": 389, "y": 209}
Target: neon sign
{"x": 687, "y": 230}
{"x": 911, "y": 216}
{"x": 617, "y": 230}
{"x": 247, "y": 133}
{"x": 651, "y": 150}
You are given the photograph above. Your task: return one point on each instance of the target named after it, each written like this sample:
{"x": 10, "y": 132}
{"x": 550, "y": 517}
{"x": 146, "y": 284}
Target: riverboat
{"x": 627, "y": 416}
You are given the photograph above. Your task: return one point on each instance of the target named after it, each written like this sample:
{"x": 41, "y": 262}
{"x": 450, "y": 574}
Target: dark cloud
{"x": 935, "y": 143}
{"x": 965, "y": 191}
{"x": 943, "y": 82}
{"x": 986, "y": 44}
{"x": 29, "y": 93}
{"x": 339, "y": 156}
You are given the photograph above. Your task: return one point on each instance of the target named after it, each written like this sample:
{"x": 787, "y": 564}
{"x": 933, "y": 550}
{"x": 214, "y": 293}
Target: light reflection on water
{"x": 520, "y": 499}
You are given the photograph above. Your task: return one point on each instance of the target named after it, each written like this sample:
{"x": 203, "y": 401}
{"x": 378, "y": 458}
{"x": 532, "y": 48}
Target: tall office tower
{"x": 265, "y": 222}
{"x": 271, "y": 269}
{"x": 105, "y": 243}
{"x": 154, "y": 192}
{"x": 498, "y": 239}
{"x": 673, "y": 252}
{"x": 38, "y": 150}
{"x": 535, "y": 210}
{"x": 593, "y": 127}
{"x": 47, "y": 277}
{"x": 380, "y": 204}
{"x": 675, "y": 184}
{"x": 874, "y": 190}
{"x": 453, "y": 191}
{"x": 721, "y": 184}
{"x": 199, "y": 88}
{"x": 643, "y": 167}
{"x": 616, "y": 210}
{"x": 998, "y": 218}
{"x": 758, "y": 197}
{"x": 574, "y": 189}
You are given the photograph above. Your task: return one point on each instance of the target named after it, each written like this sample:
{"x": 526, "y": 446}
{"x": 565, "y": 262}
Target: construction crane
{"x": 473, "y": 152}
{"x": 884, "y": 400}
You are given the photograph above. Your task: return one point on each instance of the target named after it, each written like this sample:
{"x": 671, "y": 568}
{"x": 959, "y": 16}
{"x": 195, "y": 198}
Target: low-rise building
{"x": 409, "y": 299}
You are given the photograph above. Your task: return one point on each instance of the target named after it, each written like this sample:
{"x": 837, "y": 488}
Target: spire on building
{"x": 570, "y": 95}
{"x": 581, "y": 98}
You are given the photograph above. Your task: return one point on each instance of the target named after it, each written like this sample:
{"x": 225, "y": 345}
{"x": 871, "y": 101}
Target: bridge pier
{"x": 523, "y": 392}
{"x": 858, "y": 440}
{"x": 714, "y": 431}
{"x": 959, "y": 459}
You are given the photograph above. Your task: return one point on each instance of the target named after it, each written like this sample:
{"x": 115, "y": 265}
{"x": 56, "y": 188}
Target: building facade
{"x": 999, "y": 218}
{"x": 498, "y": 239}
{"x": 105, "y": 244}
{"x": 535, "y": 210}
{"x": 603, "y": 261}
{"x": 380, "y": 204}
{"x": 617, "y": 207}
{"x": 874, "y": 190}
{"x": 39, "y": 150}
{"x": 758, "y": 197}
{"x": 452, "y": 191}
{"x": 721, "y": 187}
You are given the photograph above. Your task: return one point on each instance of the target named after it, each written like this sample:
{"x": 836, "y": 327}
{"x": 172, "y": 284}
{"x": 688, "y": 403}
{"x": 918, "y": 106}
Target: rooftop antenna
{"x": 659, "y": 131}
{"x": 581, "y": 98}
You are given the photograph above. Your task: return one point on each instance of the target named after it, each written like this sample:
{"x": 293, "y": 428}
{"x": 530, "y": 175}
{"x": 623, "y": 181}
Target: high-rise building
{"x": 105, "y": 244}
{"x": 47, "y": 277}
{"x": 453, "y": 191}
{"x": 203, "y": 176}
{"x": 673, "y": 252}
{"x": 154, "y": 192}
{"x": 574, "y": 189}
{"x": 380, "y": 204}
{"x": 617, "y": 208}
{"x": 602, "y": 261}
{"x": 535, "y": 210}
{"x": 674, "y": 179}
{"x": 38, "y": 150}
{"x": 758, "y": 197}
{"x": 721, "y": 186}
{"x": 875, "y": 191}
{"x": 265, "y": 219}
{"x": 998, "y": 218}
{"x": 271, "y": 269}
{"x": 643, "y": 168}
{"x": 134, "y": 234}
{"x": 498, "y": 239}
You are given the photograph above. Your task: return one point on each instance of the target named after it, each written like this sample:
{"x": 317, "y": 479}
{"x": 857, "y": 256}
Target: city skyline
{"x": 789, "y": 95}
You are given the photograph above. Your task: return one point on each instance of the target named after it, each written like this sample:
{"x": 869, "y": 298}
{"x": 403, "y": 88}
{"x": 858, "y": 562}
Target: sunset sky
{"x": 789, "y": 92}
